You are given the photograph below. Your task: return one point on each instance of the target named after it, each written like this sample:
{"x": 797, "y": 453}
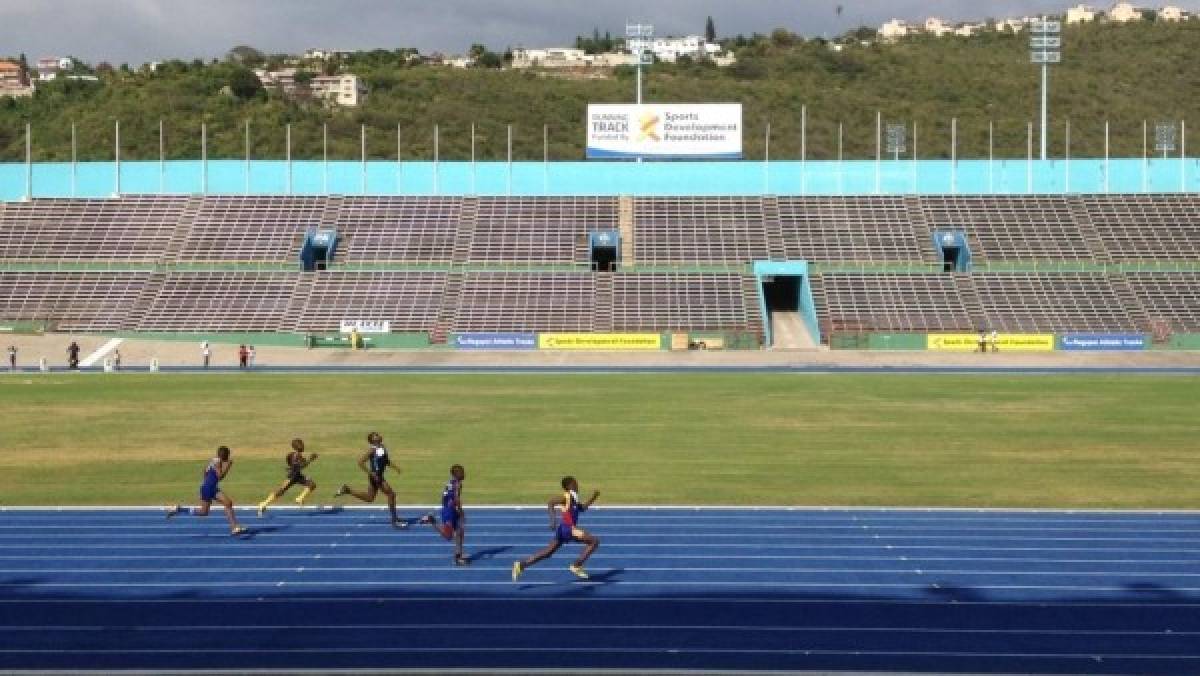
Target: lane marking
{"x": 100, "y": 352}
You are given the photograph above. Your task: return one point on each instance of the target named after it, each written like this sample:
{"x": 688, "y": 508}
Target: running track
{"x": 819, "y": 589}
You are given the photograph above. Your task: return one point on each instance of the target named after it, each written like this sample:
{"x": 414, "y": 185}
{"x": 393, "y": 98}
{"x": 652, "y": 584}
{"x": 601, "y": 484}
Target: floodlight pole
{"x": 839, "y": 159}
{"x": 545, "y": 158}
{"x": 325, "y": 158}
{"x": 74, "y": 161}
{"x": 162, "y": 167}
{"x": 288, "y": 151}
{"x": 1182, "y": 155}
{"x": 1029, "y": 159}
{"x": 436, "y": 187}
{"x": 1145, "y": 152}
{"x": 362, "y": 141}
{"x": 767, "y": 160}
{"x": 1106, "y": 161}
{"x": 28, "y": 162}
{"x": 203, "y": 158}
{"x": 247, "y": 187}
{"x": 399, "y": 165}
{"x": 117, "y": 158}
{"x": 1067, "y": 159}
{"x": 1045, "y": 115}
{"x": 803, "y": 149}
{"x": 508, "y": 186}
{"x": 954, "y": 155}
{"x": 991, "y": 156}
{"x": 878, "y": 148}
{"x": 472, "y": 158}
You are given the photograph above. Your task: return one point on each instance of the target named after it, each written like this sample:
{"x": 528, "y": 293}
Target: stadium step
{"x": 1132, "y": 304}
{"x": 603, "y": 314}
{"x": 448, "y": 313}
{"x": 970, "y": 300}
{"x": 626, "y": 225}
{"x": 773, "y": 229}
{"x": 145, "y": 300}
{"x": 468, "y": 220}
{"x": 1083, "y": 221}
{"x": 293, "y": 317}
{"x": 179, "y": 238}
{"x": 922, "y": 229}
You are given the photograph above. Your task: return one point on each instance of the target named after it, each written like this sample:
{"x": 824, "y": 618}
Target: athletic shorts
{"x": 209, "y": 490}
{"x": 564, "y": 533}
{"x": 296, "y": 478}
{"x": 450, "y": 518}
{"x": 375, "y": 480}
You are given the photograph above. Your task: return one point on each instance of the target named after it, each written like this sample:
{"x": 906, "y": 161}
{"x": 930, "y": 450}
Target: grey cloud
{"x": 135, "y": 31}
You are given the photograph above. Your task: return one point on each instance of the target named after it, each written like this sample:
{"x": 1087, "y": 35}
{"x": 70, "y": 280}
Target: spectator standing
{"x": 243, "y": 356}
{"x": 205, "y": 352}
{"x": 12, "y": 357}
{"x": 982, "y": 341}
{"x": 73, "y": 355}
{"x": 251, "y": 356}
{"x": 994, "y": 339}
{"x": 116, "y": 362}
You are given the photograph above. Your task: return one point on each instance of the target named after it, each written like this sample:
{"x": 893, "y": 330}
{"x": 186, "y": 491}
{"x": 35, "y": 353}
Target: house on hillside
{"x": 669, "y": 49}
{"x": 894, "y": 30}
{"x": 1172, "y": 13}
{"x": 346, "y": 89}
{"x": 1080, "y": 14}
{"x": 49, "y": 67}
{"x": 1124, "y": 12}
{"x": 12, "y": 80}
{"x": 967, "y": 30}
{"x": 936, "y": 27}
{"x": 550, "y": 57}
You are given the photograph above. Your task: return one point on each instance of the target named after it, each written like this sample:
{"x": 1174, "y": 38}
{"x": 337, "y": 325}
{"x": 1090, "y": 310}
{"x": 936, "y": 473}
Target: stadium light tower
{"x": 639, "y": 35}
{"x": 1045, "y": 48}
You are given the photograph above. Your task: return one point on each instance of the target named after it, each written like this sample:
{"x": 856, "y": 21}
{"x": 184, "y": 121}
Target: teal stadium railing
{"x": 271, "y": 177}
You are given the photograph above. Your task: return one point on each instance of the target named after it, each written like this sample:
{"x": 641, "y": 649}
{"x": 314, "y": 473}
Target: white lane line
{"x": 663, "y": 569}
{"x": 408, "y": 600}
{"x": 691, "y": 539}
{"x": 710, "y": 509}
{"x": 638, "y": 557}
{"x": 701, "y": 529}
{"x": 460, "y": 649}
{"x": 504, "y": 626}
{"x": 223, "y": 541}
{"x": 101, "y": 351}
{"x": 459, "y": 584}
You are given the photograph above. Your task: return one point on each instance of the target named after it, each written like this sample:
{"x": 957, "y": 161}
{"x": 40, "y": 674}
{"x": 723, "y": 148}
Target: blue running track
{"x": 724, "y": 589}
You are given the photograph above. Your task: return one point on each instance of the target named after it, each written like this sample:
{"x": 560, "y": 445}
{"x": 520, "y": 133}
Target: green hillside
{"x": 1125, "y": 73}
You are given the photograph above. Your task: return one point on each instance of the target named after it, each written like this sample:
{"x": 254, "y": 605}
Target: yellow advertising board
{"x": 1005, "y": 342}
{"x": 599, "y": 341}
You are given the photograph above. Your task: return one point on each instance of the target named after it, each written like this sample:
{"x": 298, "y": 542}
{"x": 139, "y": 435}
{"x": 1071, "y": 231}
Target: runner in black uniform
{"x": 374, "y": 463}
{"x": 296, "y": 462}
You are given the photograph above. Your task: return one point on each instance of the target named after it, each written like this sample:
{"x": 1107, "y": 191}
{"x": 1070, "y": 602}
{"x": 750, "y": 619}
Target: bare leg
{"x": 203, "y": 509}
{"x": 544, "y": 554}
{"x": 368, "y": 496}
{"x": 391, "y": 500}
{"x": 459, "y": 536}
{"x": 592, "y": 543}
{"x": 228, "y": 504}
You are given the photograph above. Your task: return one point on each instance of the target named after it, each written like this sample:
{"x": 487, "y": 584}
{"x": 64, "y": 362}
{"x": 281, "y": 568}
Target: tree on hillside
{"x": 245, "y": 55}
{"x": 710, "y": 30}
{"x": 244, "y": 83}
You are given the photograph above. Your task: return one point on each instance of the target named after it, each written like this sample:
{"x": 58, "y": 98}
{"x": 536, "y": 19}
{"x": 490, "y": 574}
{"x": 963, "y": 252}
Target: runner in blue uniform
{"x": 210, "y": 490}
{"x": 453, "y": 526}
{"x": 564, "y": 521}
{"x": 374, "y": 463}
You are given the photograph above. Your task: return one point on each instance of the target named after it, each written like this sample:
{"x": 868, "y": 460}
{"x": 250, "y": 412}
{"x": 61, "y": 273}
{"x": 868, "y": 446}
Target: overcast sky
{"x": 137, "y": 31}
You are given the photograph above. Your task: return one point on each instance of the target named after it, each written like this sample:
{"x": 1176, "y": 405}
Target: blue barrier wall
{"x": 270, "y": 177}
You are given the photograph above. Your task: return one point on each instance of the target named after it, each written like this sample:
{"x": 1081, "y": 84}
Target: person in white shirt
{"x": 205, "y": 352}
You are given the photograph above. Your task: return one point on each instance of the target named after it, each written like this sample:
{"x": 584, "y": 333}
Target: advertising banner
{"x": 600, "y": 341}
{"x": 1108, "y": 342}
{"x": 665, "y": 131}
{"x": 365, "y": 326}
{"x": 494, "y": 341}
{"x": 1005, "y": 342}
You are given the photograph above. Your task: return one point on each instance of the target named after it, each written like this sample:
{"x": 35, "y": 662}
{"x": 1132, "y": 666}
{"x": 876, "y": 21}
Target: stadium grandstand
{"x": 445, "y": 265}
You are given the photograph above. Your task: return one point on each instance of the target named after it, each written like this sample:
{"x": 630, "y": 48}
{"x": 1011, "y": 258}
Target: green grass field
{"x": 979, "y": 441}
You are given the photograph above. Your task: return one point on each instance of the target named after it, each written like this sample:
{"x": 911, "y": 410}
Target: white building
{"x": 343, "y": 90}
{"x": 670, "y": 49}
{"x": 1171, "y": 13}
{"x": 1080, "y": 14}
{"x": 1124, "y": 12}
{"x": 1013, "y": 25}
{"x": 49, "y": 67}
{"x": 552, "y": 57}
{"x": 326, "y": 54}
{"x": 967, "y": 30}
{"x": 894, "y": 30}
{"x": 936, "y": 27}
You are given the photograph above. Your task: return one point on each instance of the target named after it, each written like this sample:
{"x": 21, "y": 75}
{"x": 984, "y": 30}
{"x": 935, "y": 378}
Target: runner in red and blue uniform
{"x": 453, "y": 526}
{"x": 564, "y": 521}
{"x": 210, "y": 490}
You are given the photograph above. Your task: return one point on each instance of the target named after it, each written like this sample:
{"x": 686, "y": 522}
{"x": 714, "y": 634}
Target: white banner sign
{"x": 665, "y": 130}
{"x": 366, "y": 326}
